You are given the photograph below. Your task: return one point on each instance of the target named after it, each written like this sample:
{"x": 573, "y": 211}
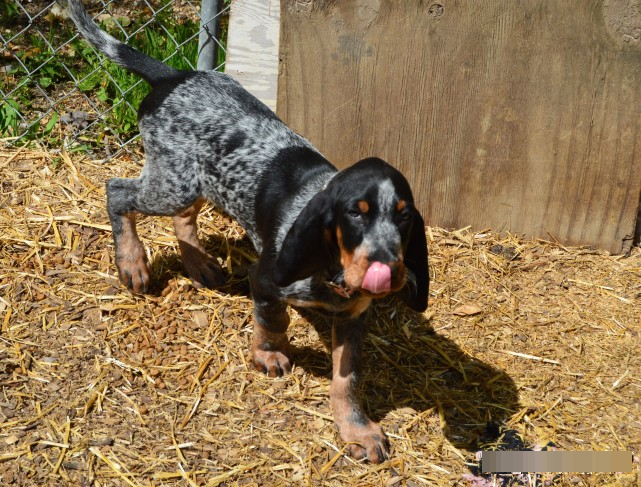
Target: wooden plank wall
{"x": 513, "y": 116}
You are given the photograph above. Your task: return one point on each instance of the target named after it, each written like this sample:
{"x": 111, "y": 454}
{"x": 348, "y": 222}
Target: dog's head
{"x": 365, "y": 219}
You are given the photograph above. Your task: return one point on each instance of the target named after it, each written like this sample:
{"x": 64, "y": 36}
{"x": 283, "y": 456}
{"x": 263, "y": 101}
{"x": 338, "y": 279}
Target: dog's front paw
{"x": 270, "y": 352}
{"x": 134, "y": 272}
{"x": 366, "y": 442}
{"x": 272, "y": 363}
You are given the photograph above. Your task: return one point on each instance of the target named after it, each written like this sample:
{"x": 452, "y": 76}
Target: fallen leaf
{"x": 468, "y": 310}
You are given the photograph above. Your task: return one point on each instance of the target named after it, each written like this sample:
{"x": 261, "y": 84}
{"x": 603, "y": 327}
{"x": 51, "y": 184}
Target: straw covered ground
{"x": 526, "y": 343}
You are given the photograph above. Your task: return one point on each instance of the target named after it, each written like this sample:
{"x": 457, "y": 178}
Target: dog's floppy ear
{"x": 306, "y": 248}
{"x": 415, "y": 296}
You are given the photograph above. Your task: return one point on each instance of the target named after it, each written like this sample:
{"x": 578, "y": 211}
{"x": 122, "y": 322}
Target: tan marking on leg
{"x": 367, "y": 439}
{"x": 201, "y": 267}
{"x": 131, "y": 259}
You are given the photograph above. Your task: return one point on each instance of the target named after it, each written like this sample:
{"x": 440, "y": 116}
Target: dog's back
{"x": 203, "y": 131}
{"x": 209, "y": 131}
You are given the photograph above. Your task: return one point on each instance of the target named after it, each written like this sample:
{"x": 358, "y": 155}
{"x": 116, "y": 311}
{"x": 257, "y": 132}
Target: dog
{"x": 330, "y": 241}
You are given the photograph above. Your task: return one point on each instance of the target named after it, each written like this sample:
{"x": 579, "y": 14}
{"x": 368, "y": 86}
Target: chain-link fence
{"x": 56, "y": 90}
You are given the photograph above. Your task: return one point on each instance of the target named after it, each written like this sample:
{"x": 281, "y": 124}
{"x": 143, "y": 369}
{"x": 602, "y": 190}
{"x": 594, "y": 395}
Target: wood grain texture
{"x": 514, "y": 116}
{"x": 252, "y": 47}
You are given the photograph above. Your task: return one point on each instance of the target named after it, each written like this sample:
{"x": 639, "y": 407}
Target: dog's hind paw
{"x": 134, "y": 274}
{"x": 208, "y": 274}
{"x": 203, "y": 270}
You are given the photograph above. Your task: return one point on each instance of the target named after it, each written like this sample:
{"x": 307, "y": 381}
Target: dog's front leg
{"x": 368, "y": 440}
{"x": 270, "y": 345}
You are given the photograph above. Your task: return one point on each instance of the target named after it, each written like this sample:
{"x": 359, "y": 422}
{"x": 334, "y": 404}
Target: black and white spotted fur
{"x": 330, "y": 241}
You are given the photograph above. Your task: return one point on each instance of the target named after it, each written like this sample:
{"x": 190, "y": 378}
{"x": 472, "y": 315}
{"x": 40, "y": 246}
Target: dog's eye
{"x": 354, "y": 214}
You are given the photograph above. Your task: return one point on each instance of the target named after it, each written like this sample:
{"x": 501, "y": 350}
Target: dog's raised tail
{"x": 148, "y": 68}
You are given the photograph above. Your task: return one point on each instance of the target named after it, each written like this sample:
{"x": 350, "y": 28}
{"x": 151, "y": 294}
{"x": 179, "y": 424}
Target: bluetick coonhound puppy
{"x": 330, "y": 241}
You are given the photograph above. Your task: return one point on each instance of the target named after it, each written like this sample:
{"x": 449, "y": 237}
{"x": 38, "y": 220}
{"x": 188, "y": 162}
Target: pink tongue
{"x": 377, "y": 278}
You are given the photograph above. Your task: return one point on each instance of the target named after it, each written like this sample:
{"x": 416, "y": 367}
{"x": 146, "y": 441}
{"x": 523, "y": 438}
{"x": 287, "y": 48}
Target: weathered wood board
{"x": 514, "y": 116}
{"x": 252, "y": 47}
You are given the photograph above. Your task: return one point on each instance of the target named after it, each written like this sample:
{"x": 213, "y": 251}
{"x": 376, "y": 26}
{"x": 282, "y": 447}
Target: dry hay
{"x": 100, "y": 387}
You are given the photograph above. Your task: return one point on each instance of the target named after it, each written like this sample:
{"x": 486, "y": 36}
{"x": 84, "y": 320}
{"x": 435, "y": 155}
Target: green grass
{"x": 111, "y": 87}
{"x": 44, "y": 70}
{"x": 119, "y": 85}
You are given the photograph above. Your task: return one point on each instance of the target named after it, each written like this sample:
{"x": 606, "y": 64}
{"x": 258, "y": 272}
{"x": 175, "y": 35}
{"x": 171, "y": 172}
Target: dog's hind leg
{"x": 152, "y": 195}
{"x": 131, "y": 260}
{"x": 201, "y": 267}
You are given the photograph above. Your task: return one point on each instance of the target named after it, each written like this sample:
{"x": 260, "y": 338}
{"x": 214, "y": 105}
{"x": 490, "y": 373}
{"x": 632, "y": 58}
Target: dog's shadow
{"x": 406, "y": 364}
{"x": 168, "y": 265}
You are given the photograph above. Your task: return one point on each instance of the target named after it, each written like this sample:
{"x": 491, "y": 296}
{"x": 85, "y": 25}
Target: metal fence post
{"x": 209, "y": 34}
